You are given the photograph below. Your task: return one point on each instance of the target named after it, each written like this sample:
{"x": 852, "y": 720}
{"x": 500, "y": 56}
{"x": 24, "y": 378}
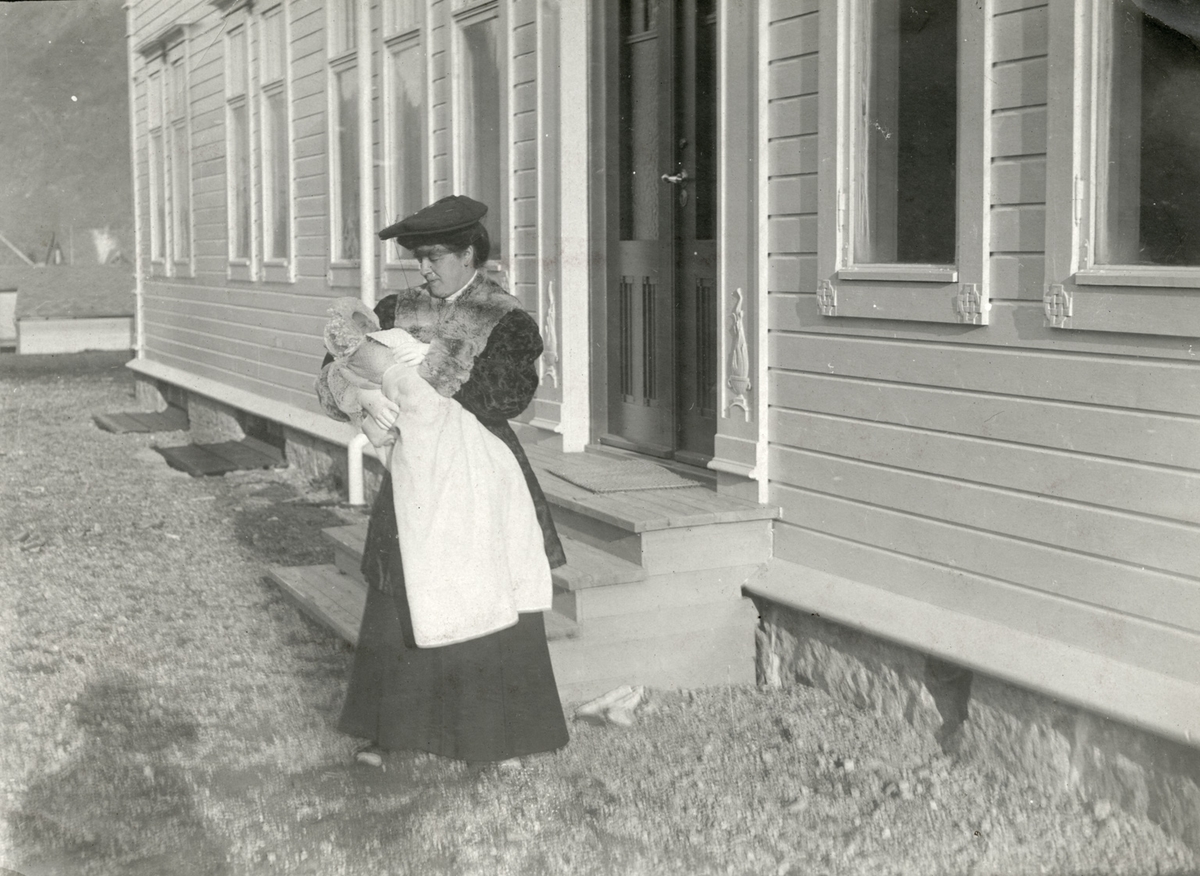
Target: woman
{"x": 491, "y": 698}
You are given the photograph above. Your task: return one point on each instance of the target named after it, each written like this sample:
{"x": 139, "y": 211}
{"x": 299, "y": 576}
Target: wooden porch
{"x": 651, "y": 593}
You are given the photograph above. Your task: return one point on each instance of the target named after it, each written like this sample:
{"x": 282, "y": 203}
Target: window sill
{"x": 1158, "y": 276}
{"x": 900, "y": 273}
{"x": 184, "y": 269}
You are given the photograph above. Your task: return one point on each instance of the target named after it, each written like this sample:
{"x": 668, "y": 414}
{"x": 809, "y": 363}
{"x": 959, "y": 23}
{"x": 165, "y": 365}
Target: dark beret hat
{"x": 441, "y": 219}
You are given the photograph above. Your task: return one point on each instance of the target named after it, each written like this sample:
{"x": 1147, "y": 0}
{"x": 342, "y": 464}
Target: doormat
{"x": 200, "y": 460}
{"x": 171, "y": 420}
{"x": 618, "y": 475}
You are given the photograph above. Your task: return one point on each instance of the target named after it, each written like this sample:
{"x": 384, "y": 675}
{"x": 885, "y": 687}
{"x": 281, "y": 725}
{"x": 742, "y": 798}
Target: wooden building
{"x": 924, "y": 276}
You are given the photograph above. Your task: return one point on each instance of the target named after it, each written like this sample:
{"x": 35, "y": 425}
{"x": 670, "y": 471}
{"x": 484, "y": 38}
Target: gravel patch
{"x": 166, "y": 711}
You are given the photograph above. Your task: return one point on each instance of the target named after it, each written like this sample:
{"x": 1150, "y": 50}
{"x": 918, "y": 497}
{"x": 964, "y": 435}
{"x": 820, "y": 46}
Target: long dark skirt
{"x": 486, "y": 699}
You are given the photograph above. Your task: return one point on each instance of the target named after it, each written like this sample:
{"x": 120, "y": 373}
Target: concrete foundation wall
{"x": 1062, "y": 748}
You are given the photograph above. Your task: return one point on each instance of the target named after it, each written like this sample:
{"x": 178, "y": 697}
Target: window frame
{"x": 405, "y": 27}
{"x": 178, "y": 122}
{"x": 956, "y": 293}
{"x": 159, "y": 174}
{"x": 341, "y": 57}
{"x": 1077, "y": 293}
{"x": 275, "y": 268}
{"x": 240, "y": 267}
{"x": 463, "y": 14}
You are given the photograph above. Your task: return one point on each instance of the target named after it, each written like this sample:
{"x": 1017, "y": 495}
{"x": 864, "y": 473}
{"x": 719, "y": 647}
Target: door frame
{"x": 743, "y": 46}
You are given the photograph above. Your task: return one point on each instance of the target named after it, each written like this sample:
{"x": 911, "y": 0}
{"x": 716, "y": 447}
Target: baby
{"x": 471, "y": 547}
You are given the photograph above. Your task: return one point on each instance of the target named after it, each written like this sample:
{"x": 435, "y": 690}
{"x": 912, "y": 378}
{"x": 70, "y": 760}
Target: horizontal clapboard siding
{"x": 1046, "y": 480}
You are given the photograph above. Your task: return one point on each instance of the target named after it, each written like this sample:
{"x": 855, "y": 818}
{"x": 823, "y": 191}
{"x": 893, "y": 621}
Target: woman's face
{"x": 445, "y": 272}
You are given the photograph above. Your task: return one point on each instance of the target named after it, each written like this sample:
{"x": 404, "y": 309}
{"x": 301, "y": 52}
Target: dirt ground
{"x": 166, "y": 711}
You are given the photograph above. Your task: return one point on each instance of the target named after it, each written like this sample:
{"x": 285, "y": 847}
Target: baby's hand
{"x": 411, "y": 355}
{"x": 379, "y": 438}
{"x": 378, "y": 408}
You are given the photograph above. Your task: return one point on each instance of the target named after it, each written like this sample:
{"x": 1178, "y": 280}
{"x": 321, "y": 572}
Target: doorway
{"x": 662, "y": 305}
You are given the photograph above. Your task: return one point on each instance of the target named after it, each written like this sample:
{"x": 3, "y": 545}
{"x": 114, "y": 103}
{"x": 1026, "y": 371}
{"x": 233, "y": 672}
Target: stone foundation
{"x": 1062, "y": 748}
{"x": 212, "y": 422}
{"x": 861, "y": 670}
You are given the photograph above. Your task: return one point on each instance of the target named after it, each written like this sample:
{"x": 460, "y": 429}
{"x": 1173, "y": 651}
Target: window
{"x": 344, "y": 179}
{"x": 168, "y": 151}
{"x": 1124, "y": 135}
{"x": 275, "y": 146}
{"x": 904, "y": 217}
{"x": 181, "y": 168}
{"x": 479, "y": 103}
{"x": 238, "y": 162}
{"x": 158, "y": 172}
{"x": 406, "y": 134}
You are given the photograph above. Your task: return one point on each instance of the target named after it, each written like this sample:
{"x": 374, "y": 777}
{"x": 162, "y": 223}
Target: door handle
{"x": 676, "y": 178}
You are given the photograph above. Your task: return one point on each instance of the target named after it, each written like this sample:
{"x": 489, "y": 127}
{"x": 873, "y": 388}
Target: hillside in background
{"x": 64, "y": 140}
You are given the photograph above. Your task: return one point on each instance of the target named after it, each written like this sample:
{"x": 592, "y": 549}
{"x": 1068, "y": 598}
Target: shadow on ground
{"x": 117, "y": 803}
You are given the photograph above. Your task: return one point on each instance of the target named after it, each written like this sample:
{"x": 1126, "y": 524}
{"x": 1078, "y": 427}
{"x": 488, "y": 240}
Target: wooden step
{"x": 348, "y": 542}
{"x": 336, "y": 600}
{"x": 679, "y": 549}
{"x": 722, "y": 655}
{"x": 672, "y": 647}
{"x": 660, "y": 591}
{"x": 587, "y": 566}
{"x": 324, "y": 594}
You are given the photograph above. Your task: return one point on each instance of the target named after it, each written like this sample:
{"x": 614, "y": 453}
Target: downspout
{"x": 366, "y": 221}
{"x": 139, "y": 342}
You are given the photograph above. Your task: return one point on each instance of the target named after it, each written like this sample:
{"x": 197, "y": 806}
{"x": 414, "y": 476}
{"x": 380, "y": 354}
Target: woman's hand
{"x": 381, "y": 411}
{"x": 410, "y": 354}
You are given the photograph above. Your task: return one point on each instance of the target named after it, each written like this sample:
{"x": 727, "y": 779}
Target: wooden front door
{"x": 662, "y": 323}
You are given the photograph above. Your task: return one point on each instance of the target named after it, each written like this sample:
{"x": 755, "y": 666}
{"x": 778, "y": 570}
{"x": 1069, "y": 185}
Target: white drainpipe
{"x": 366, "y": 224}
{"x": 139, "y": 341}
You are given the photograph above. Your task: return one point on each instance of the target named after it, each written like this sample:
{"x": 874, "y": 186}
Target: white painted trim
{"x": 1148, "y": 700}
{"x": 723, "y": 292}
{"x": 317, "y": 425}
{"x": 366, "y": 156}
{"x": 139, "y": 324}
{"x": 762, "y": 400}
{"x": 574, "y": 227}
{"x": 545, "y": 243}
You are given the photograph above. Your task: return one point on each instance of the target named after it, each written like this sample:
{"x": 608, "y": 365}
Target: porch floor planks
{"x": 641, "y": 510}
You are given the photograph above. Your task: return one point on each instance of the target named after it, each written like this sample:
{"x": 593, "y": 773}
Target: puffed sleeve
{"x": 385, "y": 311}
{"x": 504, "y": 377}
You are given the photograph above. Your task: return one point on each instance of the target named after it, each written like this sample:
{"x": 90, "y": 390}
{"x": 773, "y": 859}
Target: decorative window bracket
{"x": 1057, "y": 305}
{"x": 739, "y": 359}
{"x": 969, "y": 306}
{"x": 550, "y": 339}
{"x": 826, "y": 298}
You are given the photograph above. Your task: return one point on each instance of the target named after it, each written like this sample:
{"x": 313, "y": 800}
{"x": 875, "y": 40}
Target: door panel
{"x": 695, "y": 247}
{"x": 662, "y": 295}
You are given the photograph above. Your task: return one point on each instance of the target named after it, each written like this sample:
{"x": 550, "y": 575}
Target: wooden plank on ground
{"x": 201, "y": 460}
{"x": 171, "y": 420}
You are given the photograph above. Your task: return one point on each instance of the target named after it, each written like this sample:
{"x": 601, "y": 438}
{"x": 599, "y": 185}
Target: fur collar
{"x": 457, "y": 331}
